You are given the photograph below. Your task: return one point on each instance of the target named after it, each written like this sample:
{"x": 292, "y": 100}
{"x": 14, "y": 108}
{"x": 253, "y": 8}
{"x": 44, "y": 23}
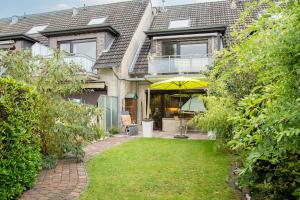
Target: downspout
{"x": 118, "y": 94}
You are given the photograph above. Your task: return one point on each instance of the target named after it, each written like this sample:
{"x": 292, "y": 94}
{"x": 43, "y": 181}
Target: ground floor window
{"x": 167, "y": 104}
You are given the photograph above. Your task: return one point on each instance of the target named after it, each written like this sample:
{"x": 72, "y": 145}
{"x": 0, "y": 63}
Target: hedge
{"x": 20, "y": 157}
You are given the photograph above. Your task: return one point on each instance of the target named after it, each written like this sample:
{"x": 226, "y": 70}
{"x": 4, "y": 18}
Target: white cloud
{"x": 59, "y": 6}
{"x": 92, "y": 2}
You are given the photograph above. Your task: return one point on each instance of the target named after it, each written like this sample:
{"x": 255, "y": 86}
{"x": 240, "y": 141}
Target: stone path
{"x": 69, "y": 178}
{"x": 101, "y": 146}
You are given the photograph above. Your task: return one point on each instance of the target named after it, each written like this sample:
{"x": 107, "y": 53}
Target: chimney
{"x": 75, "y": 12}
{"x": 14, "y": 19}
{"x": 163, "y": 4}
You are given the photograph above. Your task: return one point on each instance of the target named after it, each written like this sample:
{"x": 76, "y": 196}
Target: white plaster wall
{"x": 141, "y": 108}
{"x": 110, "y": 80}
{"x": 137, "y": 39}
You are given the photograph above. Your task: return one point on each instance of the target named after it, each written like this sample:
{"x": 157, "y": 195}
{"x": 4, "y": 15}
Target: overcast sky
{"x": 18, "y": 7}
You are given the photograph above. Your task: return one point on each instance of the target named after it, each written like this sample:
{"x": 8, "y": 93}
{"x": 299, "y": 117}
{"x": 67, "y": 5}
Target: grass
{"x": 160, "y": 169}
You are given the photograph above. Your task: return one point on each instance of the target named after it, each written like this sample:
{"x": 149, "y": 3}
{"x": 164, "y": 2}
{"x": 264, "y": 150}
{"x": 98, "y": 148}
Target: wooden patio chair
{"x": 129, "y": 127}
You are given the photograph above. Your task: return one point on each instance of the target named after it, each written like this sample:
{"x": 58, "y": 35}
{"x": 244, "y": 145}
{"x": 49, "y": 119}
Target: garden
{"x": 34, "y": 129}
{"x": 253, "y": 107}
{"x": 254, "y": 101}
{"x": 160, "y": 169}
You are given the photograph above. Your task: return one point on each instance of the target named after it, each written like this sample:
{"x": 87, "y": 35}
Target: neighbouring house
{"x": 103, "y": 39}
{"x": 124, "y": 47}
{"x": 181, "y": 40}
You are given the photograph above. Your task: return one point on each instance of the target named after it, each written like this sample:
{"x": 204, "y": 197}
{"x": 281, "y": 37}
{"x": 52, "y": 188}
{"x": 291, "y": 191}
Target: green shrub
{"x": 49, "y": 162}
{"x": 216, "y": 118}
{"x": 260, "y": 72}
{"x": 64, "y": 127}
{"x": 114, "y": 130}
{"x": 19, "y": 142}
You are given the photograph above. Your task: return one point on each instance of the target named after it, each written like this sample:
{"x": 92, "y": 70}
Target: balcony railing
{"x": 179, "y": 64}
{"x": 85, "y": 62}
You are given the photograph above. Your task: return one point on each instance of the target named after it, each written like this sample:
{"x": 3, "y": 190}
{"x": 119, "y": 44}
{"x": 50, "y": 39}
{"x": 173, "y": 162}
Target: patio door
{"x": 109, "y": 107}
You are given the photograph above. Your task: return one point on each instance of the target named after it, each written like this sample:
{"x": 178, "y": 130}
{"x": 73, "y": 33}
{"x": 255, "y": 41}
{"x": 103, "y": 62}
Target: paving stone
{"x": 69, "y": 178}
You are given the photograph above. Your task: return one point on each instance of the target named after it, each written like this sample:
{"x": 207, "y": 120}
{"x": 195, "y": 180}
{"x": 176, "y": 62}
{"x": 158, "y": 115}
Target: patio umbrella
{"x": 179, "y": 83}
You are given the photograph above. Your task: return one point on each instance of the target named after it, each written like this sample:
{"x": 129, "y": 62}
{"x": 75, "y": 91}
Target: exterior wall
{"x": 142, "y": 101}
{"x": 107, "y": 76}
{"x": 123, "y": 86}
{"x": 18, "y": 45}
{"x": 89, "y": 97}
{"x": 100, "y": 40}
{"x": 23, "y": 44}
{"x": 126, "y": 87}
{"x": 108, "y": 39}
{"x": 137, "y": 40}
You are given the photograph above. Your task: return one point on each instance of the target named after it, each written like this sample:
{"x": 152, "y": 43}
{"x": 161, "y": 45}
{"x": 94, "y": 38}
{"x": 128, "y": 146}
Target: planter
{"x": 147, "y": 128}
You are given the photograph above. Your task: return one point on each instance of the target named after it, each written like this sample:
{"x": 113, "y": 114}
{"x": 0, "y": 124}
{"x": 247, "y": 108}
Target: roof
{"x": 79, "y": 30}
{"x": 122, "y": 19}
{"x": 216, "y": 16}
{"x": 201, "y": 29}
{"x": 17, "y": 36}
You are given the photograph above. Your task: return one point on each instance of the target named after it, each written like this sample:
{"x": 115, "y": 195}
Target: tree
{"x": 63, "y": 126}
{"x": 260, "y": 72}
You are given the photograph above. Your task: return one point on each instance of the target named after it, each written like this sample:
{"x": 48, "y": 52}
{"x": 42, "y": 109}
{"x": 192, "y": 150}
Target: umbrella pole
{"x": 180, "y": 114}
{"x": 148, "y": 104}
{"x": 181, "y": 136}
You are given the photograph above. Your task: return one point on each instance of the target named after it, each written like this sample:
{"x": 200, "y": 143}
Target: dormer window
{"x": 95, "y": 21}
{"x": 36, "y": 29}
{"x": 86, "y": 47}
{"x": 182, "y": 23}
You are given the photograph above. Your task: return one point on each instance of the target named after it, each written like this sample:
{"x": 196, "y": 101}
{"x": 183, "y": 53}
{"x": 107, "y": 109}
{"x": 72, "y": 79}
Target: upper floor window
{"x": 36, "y": 29}
{"x": 84, "y": 47}
{"x": 185, "y": 48}
{"x": 182, "y": 23}
{"x": 95, "y": 21}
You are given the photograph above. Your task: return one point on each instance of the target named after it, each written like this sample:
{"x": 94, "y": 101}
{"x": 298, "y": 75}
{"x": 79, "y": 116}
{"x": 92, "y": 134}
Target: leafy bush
{"x": 114, "y": 130}
{"x": 19, "y": 142}
{"x": 49, "y": 162}
{"x": 260, "y": 72}
{"x": 216, "y": 118}
{"x": 63, "y": 125}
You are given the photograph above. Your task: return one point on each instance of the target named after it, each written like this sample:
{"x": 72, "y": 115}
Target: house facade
{"x": 181, "y": 41}
{"x": 124, "y": 47}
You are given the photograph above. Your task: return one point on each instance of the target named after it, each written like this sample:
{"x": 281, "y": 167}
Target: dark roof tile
{"x": 123, "y": 16}
{"x": 200, "y": 14}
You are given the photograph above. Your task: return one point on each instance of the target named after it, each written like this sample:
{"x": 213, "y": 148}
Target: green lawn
{"x": 160, "y": 169}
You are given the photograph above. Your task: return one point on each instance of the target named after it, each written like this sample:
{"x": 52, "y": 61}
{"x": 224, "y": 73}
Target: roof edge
{"x": 79, "y": 29}
{"x": 203, "y": 29}
{"x": 17, "y": 36}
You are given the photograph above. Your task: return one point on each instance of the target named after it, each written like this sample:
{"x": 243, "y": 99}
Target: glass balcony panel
{"x": 85, "y": 62}
{"x": 178, "y": 64}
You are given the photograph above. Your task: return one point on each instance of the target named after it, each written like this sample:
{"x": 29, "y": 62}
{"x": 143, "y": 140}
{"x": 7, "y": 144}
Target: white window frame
{"x": 36, "y": 29}
{"x": 98, "y": 20}
{"x": 183, "y": 23}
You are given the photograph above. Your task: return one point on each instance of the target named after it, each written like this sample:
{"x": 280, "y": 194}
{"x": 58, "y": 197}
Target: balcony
{"x": 85, "y": 62}
{"x": 179, "y": 64}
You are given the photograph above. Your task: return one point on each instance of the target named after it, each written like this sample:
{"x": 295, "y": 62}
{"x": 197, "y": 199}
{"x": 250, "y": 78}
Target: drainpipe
{"x": 119, "y": 107}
